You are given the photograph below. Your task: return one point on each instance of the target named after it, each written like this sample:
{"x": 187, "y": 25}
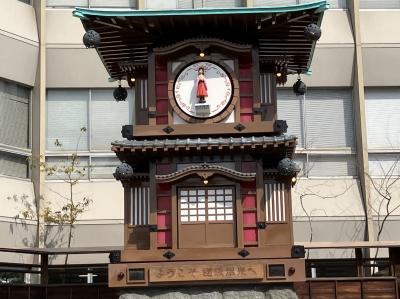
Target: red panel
{"x": 246, "y": 87}
{"x": 163, "y": 203}
{"x": 248, "y": 185}
{"x": 163, "y": 168}
{"x": 249, "y": 201}
{"x": 243, "y": 60}
{"x": 162, "y": 120}
{"x": 164, "y": 188}
{"x": 249, "y": 218}
{"x": 164, "y": 238}
{"x": 162, "y": 91}
{"x": 162, "y": 106}
{"x": 246, "y": 117}
{"x": 245, "y": 72}
{"x": 164, "y": 220}
{"x": 160, "y": 61}
{"x": 246, "y": 103}
{"x": 161, "y": 75}
{"x": 250, "y": 235}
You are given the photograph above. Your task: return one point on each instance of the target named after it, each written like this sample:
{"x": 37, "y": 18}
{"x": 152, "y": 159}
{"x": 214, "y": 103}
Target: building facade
{"x": 347, "y": 123}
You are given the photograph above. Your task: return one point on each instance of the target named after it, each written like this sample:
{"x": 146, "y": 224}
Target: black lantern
{"x": 287, "y": 167}
{"x": 123, "y": 171}
{"x": 299, "y": 88}
{"x": 312, "y": 32}
{"x": 120, "y": 93}
{"x": 91, "y": 39}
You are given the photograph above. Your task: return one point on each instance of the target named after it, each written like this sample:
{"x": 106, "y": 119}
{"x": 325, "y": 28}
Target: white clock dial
{"x": 203, "y": 90}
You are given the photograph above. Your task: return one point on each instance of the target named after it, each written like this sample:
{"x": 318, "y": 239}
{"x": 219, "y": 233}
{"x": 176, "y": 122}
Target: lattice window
{"x": 201, "y": 205}
{"x": 139, "y": 206}
{"x": 266, "y": 86}
{"x": 143, "y": 94}
{"x": 219, "y": 205}
{"x": 275, "y": 202}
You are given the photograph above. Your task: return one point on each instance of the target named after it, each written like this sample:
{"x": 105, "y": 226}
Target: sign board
{"x": 206, "y": 272}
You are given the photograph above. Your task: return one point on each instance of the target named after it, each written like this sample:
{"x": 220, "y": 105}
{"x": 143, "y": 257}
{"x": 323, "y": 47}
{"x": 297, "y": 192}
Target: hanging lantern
{"x": 91, "y": 39}
{"x": 120, "y": 93}
{"x": 312, "y": 32}
{"x": 287, "y": 167}
{"x": 130, "y": 78}
{"x": 299, "y": 88}
{"x": 124, "y": 171}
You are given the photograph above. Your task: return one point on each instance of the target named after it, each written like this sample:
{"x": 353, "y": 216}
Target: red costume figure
{"x": 201, "y": 86}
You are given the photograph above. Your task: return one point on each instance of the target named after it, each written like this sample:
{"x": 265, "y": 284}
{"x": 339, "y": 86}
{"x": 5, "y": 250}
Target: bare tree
{"x": 385, "y": 187}
{"x": 309, "y": 192}
{"x": 70, "y": 171}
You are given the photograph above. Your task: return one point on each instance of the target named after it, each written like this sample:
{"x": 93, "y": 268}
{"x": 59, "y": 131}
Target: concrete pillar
{"x": 360, "y": 118}
{"x": 39, "y": 105}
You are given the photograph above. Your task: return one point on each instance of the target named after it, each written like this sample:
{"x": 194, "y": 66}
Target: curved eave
{"x": 128, "y": 36}
{"x": 319, "y": 6}
{"x": 205, "y": 171}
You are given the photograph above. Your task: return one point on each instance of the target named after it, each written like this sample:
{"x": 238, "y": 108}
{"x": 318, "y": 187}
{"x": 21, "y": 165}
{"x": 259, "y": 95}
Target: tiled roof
{"x": 200, "y": 143}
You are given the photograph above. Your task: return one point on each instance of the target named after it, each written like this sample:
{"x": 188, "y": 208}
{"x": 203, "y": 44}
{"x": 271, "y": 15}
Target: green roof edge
{"x": 320, "y": 6}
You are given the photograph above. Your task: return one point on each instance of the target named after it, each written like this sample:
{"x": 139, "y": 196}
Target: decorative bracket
{"x": 204, "y": 171}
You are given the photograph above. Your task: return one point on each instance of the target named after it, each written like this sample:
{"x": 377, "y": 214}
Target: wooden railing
{"x": 358, "y": 277}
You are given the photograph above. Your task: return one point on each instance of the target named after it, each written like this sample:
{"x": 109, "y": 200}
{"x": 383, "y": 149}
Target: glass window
{"x": 323, "y": 118}
{"x": 92, "y": 3}
{"x": 326, "y": 165}
{"x": 332, "y": 3}
{"x": 379, "y": 4}
{"x": 217, "y": 3}
{"x": 67, "y": 3}
{"x": 103, "y": 167}
{"x": 67, "y": 113}
{"x": 202, "y": 205}
{"x": 14, "y": 129}
{"x": 108, "y": 117}
{"x": 383, "y": 117}
{"x": 384, "y": 165}
{"x": 14, "y": 114}
{"x": 331, "y": 165}
{"x": 64, "y": 162}
{"x": 13, "y": 165}
{"x": 69, "y": 110}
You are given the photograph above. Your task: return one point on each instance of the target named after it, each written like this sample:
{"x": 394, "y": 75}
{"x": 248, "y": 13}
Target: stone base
{"x": 222, "y": 292}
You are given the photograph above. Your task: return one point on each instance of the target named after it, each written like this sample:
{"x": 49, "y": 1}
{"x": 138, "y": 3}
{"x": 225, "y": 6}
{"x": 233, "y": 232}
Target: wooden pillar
{"x": 44, "y": 269}
{"x": 359, "y": 261}
{"x": 394, "y": 257}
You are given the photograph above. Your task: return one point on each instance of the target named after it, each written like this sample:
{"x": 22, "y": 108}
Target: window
{"x": 323, "y": 118}
{"x": 384, "y": 165}
{"x": 383, "y": 113}
{"x": 379, "y": 4}
{"x": 70, "y": 110}
{"x": 332, "y": 3}
{"x": 323, "y": 122}
{"x": 139, "y": 202}
{"x": 275, "y": 203}
{"x": 201, "y": 205}
{"x": 92, "y": 3}
{"x": 15, "y": 129}
{"x": 188, "y": 4}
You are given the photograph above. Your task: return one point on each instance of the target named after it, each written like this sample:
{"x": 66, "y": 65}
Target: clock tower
{"x": 207, "y": 168}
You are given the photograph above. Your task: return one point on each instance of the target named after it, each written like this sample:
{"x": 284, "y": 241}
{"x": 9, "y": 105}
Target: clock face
{"x": 203, "y": 89}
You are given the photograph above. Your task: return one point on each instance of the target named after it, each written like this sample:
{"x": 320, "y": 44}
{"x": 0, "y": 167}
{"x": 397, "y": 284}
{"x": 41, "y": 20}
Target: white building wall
{"x": 70, "y": 65}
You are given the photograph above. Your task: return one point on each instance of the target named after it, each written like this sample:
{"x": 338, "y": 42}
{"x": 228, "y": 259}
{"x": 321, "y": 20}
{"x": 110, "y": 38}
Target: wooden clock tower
{"x": 207, "y": 168}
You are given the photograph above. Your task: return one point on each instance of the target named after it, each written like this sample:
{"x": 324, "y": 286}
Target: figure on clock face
{"x": 201, "y": 86}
